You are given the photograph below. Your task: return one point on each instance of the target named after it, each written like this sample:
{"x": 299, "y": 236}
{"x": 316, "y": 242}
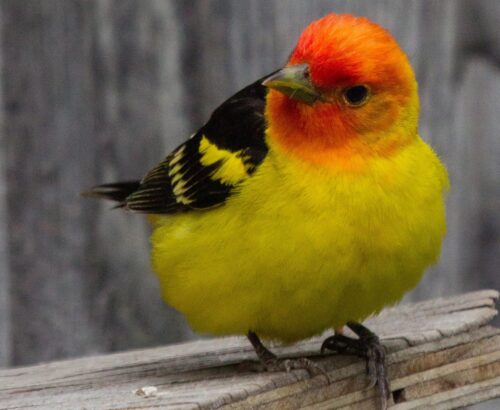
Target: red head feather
{"x": 343, "y": 51}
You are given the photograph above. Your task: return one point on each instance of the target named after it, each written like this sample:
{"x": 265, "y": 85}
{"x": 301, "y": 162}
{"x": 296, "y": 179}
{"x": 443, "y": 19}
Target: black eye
{"x": 356, "y": 95}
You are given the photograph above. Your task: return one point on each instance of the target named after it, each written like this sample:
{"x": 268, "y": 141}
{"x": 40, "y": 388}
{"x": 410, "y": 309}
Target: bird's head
{"x": 347, "y": 90}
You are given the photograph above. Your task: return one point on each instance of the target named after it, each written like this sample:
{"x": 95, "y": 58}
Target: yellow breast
{"x": 298, "y": 250}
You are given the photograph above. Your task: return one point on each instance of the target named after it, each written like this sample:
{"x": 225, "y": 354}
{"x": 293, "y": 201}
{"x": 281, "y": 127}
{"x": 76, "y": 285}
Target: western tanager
{"x": 307, "y": 202}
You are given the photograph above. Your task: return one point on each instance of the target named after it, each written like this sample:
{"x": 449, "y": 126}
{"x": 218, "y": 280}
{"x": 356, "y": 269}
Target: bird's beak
{"x": 294, "y": 82}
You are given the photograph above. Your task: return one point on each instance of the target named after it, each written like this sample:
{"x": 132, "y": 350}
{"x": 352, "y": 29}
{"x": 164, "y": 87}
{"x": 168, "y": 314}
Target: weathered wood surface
{"x": 99, "y": 90}
{"x": 441, "y": 356}
{"x": 5, "y": 316}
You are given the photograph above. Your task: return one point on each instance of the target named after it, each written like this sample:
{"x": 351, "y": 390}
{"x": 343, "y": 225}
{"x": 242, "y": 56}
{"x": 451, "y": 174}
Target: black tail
{"x": 117, "y": 191}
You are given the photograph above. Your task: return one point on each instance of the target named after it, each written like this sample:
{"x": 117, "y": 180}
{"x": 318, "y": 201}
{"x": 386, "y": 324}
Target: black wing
{"x": 204, "y": 171}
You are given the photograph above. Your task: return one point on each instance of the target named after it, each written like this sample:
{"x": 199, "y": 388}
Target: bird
{"x": 307, "y": 201}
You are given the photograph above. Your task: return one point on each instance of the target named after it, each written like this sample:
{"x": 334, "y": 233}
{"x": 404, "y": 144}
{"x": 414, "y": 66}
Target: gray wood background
{"x": 100, "y": 90}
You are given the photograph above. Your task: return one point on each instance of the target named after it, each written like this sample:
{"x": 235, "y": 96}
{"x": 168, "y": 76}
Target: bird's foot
{"x": 367, "y": 346}
{"x": 271, "y": 363}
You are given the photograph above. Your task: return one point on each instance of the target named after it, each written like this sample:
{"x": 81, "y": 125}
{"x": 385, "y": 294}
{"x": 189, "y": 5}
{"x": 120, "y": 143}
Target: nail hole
{"x": 399, "y": 396}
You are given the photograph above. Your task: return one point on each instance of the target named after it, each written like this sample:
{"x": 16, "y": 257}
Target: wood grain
{"x": 5, "y": 297}
{"x": 441, "y": 354}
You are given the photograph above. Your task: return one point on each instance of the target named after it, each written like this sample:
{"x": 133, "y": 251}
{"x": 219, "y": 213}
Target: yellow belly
{"x": 300, "y": 250}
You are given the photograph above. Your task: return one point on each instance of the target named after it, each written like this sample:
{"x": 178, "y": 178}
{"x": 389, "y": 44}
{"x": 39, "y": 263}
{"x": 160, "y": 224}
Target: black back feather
{"x": 182, "y": 182}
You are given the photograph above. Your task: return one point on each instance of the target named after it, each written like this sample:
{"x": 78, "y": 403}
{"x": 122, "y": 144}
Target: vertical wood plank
{"x": 47, "y": 108}
{"x": 477, "y": 172}
{"x": 5, "y": 316}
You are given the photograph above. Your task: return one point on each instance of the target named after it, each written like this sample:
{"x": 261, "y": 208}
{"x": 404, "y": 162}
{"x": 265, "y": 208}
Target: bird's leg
{"x": 273, "y": 364}
{"x": 367, "y": 346}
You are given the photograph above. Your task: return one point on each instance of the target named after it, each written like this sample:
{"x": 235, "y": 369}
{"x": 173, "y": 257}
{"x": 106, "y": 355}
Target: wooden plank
{"x": 477, "y": 218}
{"x": 44, "y": 43}
{"x": 479, "y": 28}
{"x": 206, "y": 374}
{"x": 5, "y": 301}
{"x": 410, "y": 369}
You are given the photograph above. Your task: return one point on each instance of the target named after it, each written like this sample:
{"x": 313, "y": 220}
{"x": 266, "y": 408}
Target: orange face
{"x": 366, "y": 94}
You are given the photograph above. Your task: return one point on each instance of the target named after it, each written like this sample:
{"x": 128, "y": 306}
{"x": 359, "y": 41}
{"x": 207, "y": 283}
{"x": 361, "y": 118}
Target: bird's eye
{"x": 356, "y": 95}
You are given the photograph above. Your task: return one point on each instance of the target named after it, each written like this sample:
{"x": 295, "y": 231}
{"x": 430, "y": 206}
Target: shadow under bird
{"x": 307, "y": 202}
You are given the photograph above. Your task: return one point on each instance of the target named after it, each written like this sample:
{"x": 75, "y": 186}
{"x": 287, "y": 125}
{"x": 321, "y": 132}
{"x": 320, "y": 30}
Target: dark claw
{"x": 343, "y": 345}
{"x": 367, "y": 346}
{"x": 377, "y": 373}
